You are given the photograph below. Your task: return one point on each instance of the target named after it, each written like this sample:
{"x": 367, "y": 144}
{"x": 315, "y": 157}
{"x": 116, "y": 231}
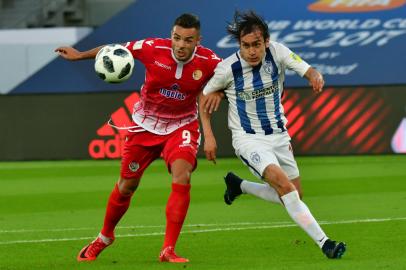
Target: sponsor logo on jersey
{"x": 353, "y": 6}
{"x": 133, "y": 166}
{"x": 109, "y": 142}
{"x": 255, "y": 158}
{"x": 159, "y": 64}
{"x": 173, "y": 92}
{"x": 255, "y": 94}
{"x": 197, "y": 74}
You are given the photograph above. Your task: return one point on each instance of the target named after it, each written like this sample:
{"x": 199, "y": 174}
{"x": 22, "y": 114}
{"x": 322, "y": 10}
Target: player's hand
{"x": 212, "y": 101}
{"x": 315, "y": 79}
{"x": 317, "y": 83}
{"x": 210, "y": 148}
{"x": 68, "y": 53}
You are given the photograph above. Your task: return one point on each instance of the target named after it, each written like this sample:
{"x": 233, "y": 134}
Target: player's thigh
{"x": 137, "y": 157}
{"x": 255, "y": 155}
{"x": 183, "y": 144}
{"x": 284, "y": 153}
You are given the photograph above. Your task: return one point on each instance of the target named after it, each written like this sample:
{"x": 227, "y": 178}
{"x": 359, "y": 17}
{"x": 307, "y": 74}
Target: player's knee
{"x": 275, "y": 176}
{"x": 181, "y": 171}
{"x": 181, "y": 177}
{"x": 128, "y": 186}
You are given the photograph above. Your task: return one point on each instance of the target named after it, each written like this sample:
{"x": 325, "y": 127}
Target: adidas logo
{"x": 112, "y": 145}
{"x": 350, "y": 6}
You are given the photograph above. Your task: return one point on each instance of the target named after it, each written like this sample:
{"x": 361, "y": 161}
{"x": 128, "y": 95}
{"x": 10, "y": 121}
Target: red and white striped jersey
{"x": 171, "y": 87}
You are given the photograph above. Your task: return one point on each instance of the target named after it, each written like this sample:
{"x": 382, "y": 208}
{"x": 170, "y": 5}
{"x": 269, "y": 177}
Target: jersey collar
{"x": 184, "y": 62}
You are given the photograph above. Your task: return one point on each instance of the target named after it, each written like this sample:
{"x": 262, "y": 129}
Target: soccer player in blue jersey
{"x": 252, "y": 80}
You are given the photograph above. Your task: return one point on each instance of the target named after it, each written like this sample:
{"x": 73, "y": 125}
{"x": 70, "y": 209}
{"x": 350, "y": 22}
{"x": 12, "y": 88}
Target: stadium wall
{"x": 345, "y": 120}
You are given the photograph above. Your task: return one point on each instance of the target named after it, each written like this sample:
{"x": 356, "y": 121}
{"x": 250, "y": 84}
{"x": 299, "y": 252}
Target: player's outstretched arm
{"x": 315, "y": 79}
{"x": 72, "y": 54}
{"x": 210, "y": 144}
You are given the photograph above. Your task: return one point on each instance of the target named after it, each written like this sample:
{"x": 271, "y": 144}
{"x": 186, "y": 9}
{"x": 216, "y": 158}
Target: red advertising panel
{"x": 347, "y": 120}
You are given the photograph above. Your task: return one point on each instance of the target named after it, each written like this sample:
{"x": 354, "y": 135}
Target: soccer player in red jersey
{"x": 165, "y": 125}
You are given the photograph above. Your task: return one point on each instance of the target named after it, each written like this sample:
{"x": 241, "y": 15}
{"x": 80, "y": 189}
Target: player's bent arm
{"x": 210, "y": 144}
{"x": 72, "y": 54}
{"x": 315, "y": 79}
{"x": 211, "y": 102}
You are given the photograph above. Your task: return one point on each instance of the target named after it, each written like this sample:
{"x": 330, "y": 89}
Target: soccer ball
{"x": 114, "y": 63}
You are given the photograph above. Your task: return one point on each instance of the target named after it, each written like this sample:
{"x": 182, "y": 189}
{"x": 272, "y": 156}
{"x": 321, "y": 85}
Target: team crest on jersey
{"x": 255, "y": 158}
{"x": 197, "y": 74}
{"x": 133, "y": 166}
{"x": 175, "y": 87}
{"x": 268, "y": 67}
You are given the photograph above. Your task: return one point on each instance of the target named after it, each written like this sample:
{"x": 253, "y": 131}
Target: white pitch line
{"x": 370, "y": 220}
{"x": 140, "y": 227}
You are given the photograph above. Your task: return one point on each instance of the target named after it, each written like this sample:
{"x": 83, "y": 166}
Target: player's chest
{"x": 165, "y": 71}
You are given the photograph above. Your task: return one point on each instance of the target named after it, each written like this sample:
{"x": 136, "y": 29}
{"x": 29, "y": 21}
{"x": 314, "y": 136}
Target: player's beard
{"x": 182, "y": 55}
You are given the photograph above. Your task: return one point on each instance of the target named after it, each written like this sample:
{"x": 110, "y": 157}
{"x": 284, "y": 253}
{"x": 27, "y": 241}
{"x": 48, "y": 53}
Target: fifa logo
{"x": 351, "y": 6}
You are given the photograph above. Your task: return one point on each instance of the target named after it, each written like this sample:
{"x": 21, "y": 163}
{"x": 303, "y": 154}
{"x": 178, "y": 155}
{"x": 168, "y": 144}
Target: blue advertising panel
{"x": 352, "y": 42}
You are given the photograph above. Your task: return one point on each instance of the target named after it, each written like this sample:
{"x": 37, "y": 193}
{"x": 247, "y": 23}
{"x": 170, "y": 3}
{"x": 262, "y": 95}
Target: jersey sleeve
{"x": 141, "y": 50}
{"x": 218, "y": 81}
{"x": 291, "y": 60}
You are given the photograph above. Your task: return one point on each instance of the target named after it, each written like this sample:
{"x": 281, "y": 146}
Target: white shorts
{"x": 257, "y": 151}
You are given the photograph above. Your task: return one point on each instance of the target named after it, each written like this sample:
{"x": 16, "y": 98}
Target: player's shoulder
{"x": 158, "y": 43}
{"x": 149, "y": 43}
{"x": 206, "y": 54}
{"x": 230, "y": 60}
{"x": 275, "y": 43}
{"x": 277, "y": 46}
{"x": 204, "y": 51}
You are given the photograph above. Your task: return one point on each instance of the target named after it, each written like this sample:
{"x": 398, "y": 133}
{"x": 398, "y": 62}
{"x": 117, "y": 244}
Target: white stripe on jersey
{"x": 254, "y": 93}
{"x": 155, "y": 124}
{"x": 200, "y": 56}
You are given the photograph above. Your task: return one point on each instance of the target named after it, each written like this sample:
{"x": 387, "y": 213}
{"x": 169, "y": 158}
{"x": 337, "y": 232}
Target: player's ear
{"x": 267, "y": 43}
{"x": 199, "y": 40}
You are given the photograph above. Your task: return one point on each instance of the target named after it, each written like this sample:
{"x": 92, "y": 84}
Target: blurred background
{"x": 51, "y": 109}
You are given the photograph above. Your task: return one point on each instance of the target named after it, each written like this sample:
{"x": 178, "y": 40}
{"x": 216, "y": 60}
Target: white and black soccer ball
{"x": 114, "y": 63}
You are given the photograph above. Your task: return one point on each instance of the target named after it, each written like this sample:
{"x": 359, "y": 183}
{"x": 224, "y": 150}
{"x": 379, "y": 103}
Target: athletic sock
{"x": 176, "y": 210}
{"x": 105, "y": 239}
{"x": 116, "y": 207}
{"x": 299, "y": 212}
{"x": 263, "y": 191}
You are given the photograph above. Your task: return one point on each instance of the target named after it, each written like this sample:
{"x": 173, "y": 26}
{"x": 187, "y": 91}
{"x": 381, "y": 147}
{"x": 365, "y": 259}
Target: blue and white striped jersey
{"x": 254, "y": 93}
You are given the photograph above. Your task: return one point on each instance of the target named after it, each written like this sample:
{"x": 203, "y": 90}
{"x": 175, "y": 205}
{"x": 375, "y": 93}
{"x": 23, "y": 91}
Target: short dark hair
{"x": 188, "y": 20}
{"x": 245, "y": 23}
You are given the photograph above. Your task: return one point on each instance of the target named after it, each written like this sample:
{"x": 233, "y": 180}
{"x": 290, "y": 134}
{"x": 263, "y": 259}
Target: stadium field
{"x": 49, "y": 210}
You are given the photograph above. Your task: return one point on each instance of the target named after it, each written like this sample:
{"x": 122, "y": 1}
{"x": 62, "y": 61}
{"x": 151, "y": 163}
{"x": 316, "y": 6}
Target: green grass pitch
{"x": 49, "y": 210}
